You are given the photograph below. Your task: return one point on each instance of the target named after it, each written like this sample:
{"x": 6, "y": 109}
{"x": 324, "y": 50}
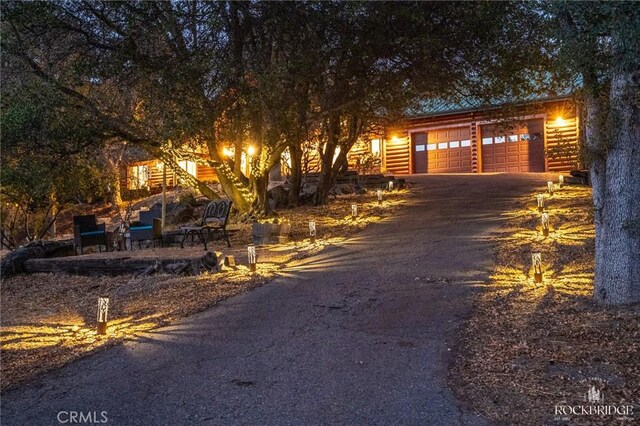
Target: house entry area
{"x": 442, "y": 151}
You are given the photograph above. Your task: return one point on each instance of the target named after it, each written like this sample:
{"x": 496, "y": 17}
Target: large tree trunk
{"x": 295, "y": 181}
{"x": 615, "y": 176}
{"x": 326, "y": 178}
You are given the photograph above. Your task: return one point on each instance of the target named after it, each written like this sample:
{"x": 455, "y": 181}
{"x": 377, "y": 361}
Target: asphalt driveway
{"x": 360, "y": 334}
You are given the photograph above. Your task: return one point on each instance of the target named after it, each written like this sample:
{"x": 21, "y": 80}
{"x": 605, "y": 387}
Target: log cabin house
{"x": 537, "y": 136}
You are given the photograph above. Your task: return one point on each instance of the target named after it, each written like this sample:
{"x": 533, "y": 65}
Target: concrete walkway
{"x": 360, "y": 334}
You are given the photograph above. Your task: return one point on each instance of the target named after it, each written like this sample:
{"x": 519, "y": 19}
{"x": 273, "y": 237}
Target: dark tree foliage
{"x": 174, "y": 76}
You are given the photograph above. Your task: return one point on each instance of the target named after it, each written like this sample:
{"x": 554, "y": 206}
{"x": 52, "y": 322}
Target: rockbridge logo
{"x": 595, "y": 406}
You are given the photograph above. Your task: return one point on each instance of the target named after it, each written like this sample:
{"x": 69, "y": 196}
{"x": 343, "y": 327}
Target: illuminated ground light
{"x": 379, "y": 194}
{"x": 561, "y": 181}
{"x": 229, "y": 261}
{"x": 312, "y": 231}
{"x": 544, "y": 218}
{"x": 540, "y": 199}
{"x": 550, "y": 187}
{"x": 536, "y": 263}
{"x": 354, "y": 210}
{"x": 390, "y": 185}
{"x": 251, "y": 257}
{"x": 103, "y": 311}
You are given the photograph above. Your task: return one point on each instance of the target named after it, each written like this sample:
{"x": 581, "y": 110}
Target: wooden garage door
{"x": 449, "y": 151}
{"x": 520, "y": 149}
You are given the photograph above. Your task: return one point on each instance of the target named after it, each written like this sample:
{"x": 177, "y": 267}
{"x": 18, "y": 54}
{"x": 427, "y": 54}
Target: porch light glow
{"x": 536, "y": 264}
{"x": 559, "y": 121}
{"x": 312, "y": 231}
{"x": 251, "y": 150}
{"x": 395, "y": 139}
{"x": 544, "y": 218}
{"x": 540, "y": 198}
{"x": 354, "y": 210}
{"x": 227, "y": 152}
{"x": 103, "y": 311}
{"x": 561, "y": 181}
{"x": 251, "y": 257}
{"x": 550, "y": 187}
{"x": 379, "y": 193}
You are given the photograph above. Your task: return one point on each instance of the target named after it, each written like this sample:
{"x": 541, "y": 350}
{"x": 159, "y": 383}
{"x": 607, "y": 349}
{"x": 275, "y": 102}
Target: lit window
{"x": 188, "y": 166}
{"x": 139, "y": 177}
{"x": 524, "y": 136}
{"x": 487, "y": 141}
{"x": 512, "y": 138}
{"x": 442, "y": 145}
{"x": 431, "y": 147}
{"x": 455, "y": 144}
{"x": 420, "y": 148}
{"x": 375, "y": 146}
{"x": 465, "y": 143}
{"x": 499, "y": 139}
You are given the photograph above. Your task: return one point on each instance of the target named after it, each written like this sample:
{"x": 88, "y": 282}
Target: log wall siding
{"x": 474, "y": 148}
{"x": 203, "y": 173}
{"x": 557, "y": 134}
{"x": 397, "y": 158}
{"x": 359, "y": 148}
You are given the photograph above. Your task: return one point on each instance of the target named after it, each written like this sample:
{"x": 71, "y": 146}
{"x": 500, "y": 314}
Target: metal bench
{"x": 214, "y": 220}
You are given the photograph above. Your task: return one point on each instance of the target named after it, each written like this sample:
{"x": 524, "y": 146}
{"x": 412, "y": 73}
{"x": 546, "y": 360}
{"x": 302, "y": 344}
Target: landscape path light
{"x": 230, "y": 261}
{"x": 379, "y": 193}
{"x": 251, "y": 257}
{"x": 550, "y": 187}
{"x": 103, "y": 312}
{"x": 312, "y": 231}
{"x": 390, "y": 185}
{"x": 561, "y": 181}
{"x": 544, "y": 218}
{"x": 536, "y": 263}
{"x": 354, "y": 210}
{"x": 540, "y": 199}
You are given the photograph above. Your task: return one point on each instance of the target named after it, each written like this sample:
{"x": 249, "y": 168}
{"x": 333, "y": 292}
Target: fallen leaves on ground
{"x": 49, "y": 320}
{"x": 530, "y": 346}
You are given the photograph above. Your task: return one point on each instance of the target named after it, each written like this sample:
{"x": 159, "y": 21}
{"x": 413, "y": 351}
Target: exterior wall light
{"x": 251, "y": 257}
{"x": 540, "y": 198}
{"x": 354, "y": 210}
{"x": 544, "y": 218}
{"x": 312, "y": 231}
{"x": 103, "y": 311}
{"x": 559, "y": 121}
{"x": 550, "y": 187}
{"x": 536, "y": 263}
{"x": 251, "y": 150}
{"x": 379, "y": 193}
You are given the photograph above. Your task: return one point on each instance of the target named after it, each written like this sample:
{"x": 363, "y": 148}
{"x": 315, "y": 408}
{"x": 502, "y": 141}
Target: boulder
{"x": 179, "y": 213}
{"x": 279, "y": 195}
